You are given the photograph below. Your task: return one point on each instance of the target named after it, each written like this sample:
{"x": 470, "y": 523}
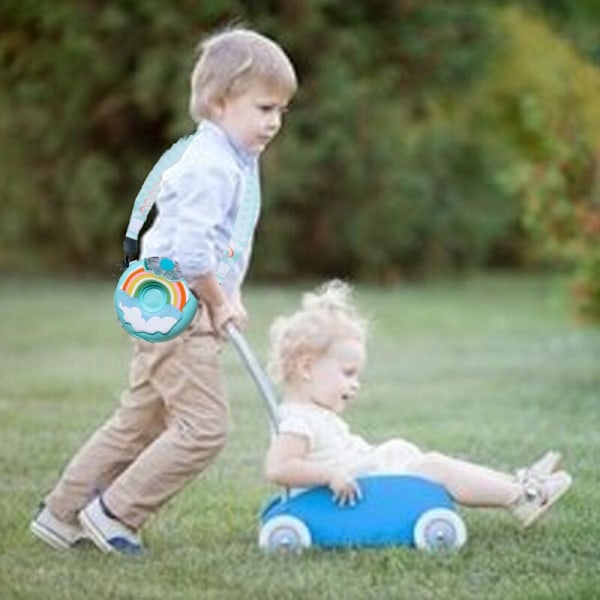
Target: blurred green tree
{"x": 418, "y": 132}
{"x": 540, "y": 100}
{"x": 94, "y": 92}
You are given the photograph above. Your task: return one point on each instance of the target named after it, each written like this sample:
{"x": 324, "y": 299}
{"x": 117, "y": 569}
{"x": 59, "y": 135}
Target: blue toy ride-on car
{"x": 395, "y": 510}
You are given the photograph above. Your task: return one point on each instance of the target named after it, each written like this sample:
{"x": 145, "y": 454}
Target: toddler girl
{"x": 317, "y": 356}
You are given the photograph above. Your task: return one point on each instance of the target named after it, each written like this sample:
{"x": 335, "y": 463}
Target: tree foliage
{"x": 416, "y": 139}
{"x": 541, "y": 96}
{"x": 100, "y": 89}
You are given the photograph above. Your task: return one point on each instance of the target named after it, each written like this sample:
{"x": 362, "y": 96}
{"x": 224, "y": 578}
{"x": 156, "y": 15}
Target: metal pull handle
{"x": 263, "y": 383}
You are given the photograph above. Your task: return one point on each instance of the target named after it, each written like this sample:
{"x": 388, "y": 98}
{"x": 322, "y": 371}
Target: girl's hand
{"x": 346, "y": 490}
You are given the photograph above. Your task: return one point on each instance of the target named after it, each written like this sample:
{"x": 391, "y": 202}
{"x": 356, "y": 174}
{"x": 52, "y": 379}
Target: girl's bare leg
{"x": 469, "y": 484}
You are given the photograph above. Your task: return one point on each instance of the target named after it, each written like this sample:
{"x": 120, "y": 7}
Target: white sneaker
{"x": 539, "y": 495}
{"x": 541, "y": 468}
{"x": 61, "y": 535}
{"x": 109, "y": 534}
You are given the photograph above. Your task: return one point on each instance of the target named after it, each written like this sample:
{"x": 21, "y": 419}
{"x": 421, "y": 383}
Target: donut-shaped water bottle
{"x": 152, "y": 300}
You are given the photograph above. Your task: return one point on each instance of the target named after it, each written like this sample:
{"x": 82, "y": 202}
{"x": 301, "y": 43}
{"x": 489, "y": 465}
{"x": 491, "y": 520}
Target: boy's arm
{"x": 220, "y": 309}
{"x": 240, "y": 309}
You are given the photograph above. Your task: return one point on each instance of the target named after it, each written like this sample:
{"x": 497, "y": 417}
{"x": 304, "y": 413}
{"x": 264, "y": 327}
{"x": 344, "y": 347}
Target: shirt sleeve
{"x": 239, "y": 268}
{"x": 296, "y": 425}
{"x": 204, "y": 197}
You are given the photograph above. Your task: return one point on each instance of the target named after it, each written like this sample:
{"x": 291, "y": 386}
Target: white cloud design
{"x": 133, "y": 316}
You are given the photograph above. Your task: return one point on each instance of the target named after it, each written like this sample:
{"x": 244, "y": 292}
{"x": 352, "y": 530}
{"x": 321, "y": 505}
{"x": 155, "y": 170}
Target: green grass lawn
{"x": 489, "y": 368}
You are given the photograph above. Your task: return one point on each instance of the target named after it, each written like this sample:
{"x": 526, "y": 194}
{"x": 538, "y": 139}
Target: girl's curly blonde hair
{"x": 326, "y": 315}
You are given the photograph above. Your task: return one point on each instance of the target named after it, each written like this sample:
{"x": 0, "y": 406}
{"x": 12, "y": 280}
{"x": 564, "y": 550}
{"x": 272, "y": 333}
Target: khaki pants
{"x": 171, "y": 423}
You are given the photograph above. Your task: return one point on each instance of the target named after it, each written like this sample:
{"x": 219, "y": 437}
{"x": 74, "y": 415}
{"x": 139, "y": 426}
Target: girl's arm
{"x": 286, "y": 465}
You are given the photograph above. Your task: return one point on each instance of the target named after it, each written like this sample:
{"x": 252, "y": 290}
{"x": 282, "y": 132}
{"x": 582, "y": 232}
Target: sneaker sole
{"x": 94, "y": 533}
{"x": 49, "y": 537}
{"x": 533, "y": 517}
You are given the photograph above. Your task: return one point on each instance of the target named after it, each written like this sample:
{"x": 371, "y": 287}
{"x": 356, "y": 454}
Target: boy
{"x": 172, "y": 419}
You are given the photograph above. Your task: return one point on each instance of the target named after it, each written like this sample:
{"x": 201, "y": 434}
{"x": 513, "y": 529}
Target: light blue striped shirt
{"x": 198, "y": 204}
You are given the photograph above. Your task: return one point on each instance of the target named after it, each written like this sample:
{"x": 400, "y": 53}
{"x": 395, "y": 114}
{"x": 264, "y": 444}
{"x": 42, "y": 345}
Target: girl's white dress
{"x": 332, "y": 444}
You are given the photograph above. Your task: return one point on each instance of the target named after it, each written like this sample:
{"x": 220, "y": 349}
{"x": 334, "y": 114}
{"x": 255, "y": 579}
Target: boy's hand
{"x": 221, "y": 314}
{"x": 220, "y": 308}
{"x": 242, "y": 314}
{"x": 346, "y": 490}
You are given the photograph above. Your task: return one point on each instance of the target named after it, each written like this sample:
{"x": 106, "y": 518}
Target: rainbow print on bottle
{"x": 152, "y": 300}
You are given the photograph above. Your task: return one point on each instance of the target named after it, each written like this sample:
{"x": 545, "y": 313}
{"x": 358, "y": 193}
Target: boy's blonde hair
{"x": 327, "y": 315}
{"x": 230, "y": 62}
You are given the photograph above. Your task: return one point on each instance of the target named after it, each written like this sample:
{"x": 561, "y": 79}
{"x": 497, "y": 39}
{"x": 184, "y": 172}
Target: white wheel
{"x": 284, "y": 534}
{"x": 439, "y": 529}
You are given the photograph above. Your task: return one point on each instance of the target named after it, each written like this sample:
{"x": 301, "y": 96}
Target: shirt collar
{"x": 243, "y": 156}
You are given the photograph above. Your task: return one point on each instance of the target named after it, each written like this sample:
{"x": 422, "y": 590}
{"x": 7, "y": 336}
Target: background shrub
{"x": 426, "y": 137}
{"x": 540, "y": 99}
